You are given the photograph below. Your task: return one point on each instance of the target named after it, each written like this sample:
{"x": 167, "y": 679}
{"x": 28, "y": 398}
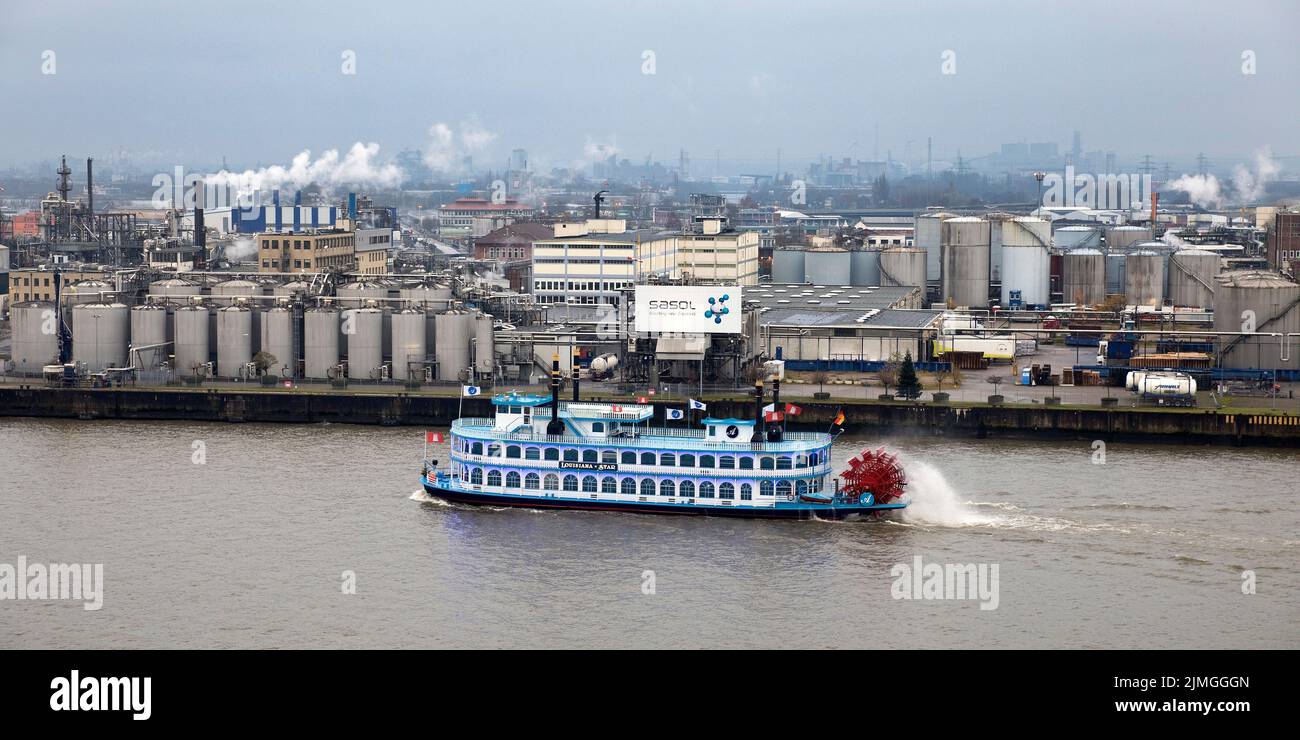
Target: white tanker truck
{"x": 1164, "y": 388}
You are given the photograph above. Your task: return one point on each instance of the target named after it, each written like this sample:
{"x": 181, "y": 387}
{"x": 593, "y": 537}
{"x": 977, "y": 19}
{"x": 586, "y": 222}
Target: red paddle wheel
{"x": 876, "y": 472}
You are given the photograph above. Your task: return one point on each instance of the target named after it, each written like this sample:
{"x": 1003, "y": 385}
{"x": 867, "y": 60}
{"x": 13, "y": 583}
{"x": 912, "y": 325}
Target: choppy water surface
{"x": 250, "y": 549}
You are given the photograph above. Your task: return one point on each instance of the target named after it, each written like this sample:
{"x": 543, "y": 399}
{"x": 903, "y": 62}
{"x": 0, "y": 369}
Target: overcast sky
{"x": 258, "y": 82}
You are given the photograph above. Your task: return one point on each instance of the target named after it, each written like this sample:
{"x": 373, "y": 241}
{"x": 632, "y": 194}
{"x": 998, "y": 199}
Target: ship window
{"x": 629, "y": 458}
{"x": 494, "y": 450}
{"x": 609, "y": 456}
{"x": 476, "y": 477}
{"x": 598, "y": 426}
{"x": 726, "y": 490}
{"x": 512, "y": 451}
{"x": 647, "y": 458}
{"x": 532, "y": 453}
{"x": 571, "y": 455}
{"x": 590, "y": 456}
{"x": 783, "y": 462}
{"x": 767, "y": 463}
{"x": 801, "y": 487}
{"x": 668, "y": 460}
{"x": 706, "y": 490}
{"x": 629, "y": 486}
{"x": 530, "y": 481}
{"x": 589, "y": 484}
{"x": 666, "y": 488}
{"x": 687, "y": 461}
{"x": 727, "y": 461}
{"x": 812, "y": 458}
{"x": 552, "y": 453}
{"x": 783, "y": 488}
{"x": 494, "y": 478}
{"x": 746, "y": 463}
{"x": 765, "y": 488}
{"x": 686, "y": 489}
{"x": 647, "y": 487}
{"x": 746, "y": 492}
{"x": 477, "y": 449}
{"x": 551, "y": 482}
{"x": 801, "y": 461}
{"x": 512, "y": 479}
{"x": 570, "y": 482}
{"x": 706, "y": 461}
{"x": 608, "y": 485}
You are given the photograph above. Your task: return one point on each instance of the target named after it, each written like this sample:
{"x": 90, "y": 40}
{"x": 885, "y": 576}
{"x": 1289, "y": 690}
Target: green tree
{"x": 908, "y": 385}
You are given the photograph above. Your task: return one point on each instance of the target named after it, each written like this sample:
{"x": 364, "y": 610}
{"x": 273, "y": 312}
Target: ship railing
{"x": 638, "y": 437}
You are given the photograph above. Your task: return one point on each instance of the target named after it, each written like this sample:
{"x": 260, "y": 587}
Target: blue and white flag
{"x": 469, "y": 390}
{"x": 676, "y": 414}
{"x": 698, "y": 405}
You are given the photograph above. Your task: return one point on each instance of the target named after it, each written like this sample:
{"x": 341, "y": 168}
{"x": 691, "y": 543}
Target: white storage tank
{"x": 929, "y": 238}
{"x": 903, "y": 266}
{"x": 788, "y": 265}
{"x": 454, "y": 328}
{"x": 1083, "y": 277}
{"x": 100, "y": 339}
{"x": 358, "y": 294}
{"x": 827, "y": 266}
{"x": 320, "y": 342}
{"x": 225, "y": 293}
{"x": 1026, "y": 261}
{"x": 149, "y": 330}
{"x": 234, "y": 341}
{"x": 1074, "y": 237}
{"x": 408, "y": 326}
{"x": 1191, "y": 276}
{"x": 175, "y": 288}
{"x": 86, "y": 291}
{"x": 35, "y": 337}
{"x": 192, "y": 347}
{"x": 425, "y": 296}
{"x": 485, "y": 360}
{"x": 1272, "y": 302}
{"x": 291, "y": 289}
{"x": 966, "y": 261}
{"x": 365, "y": 330}
{"x": 277, "y": 340}
{"x": 1144, "y": 279}
{"x": 864, "y": 267}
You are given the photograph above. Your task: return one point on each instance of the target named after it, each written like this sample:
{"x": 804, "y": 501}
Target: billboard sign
{"x": 688, "y": 309}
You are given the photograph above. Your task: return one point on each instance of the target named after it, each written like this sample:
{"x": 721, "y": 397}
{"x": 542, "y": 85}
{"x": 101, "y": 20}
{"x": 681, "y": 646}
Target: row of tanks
{"x": 1147, "y": 273}
{"x": 870, "y": 266}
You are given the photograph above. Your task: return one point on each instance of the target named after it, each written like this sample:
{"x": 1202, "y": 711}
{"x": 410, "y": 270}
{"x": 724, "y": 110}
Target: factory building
{"x": 512, "y": 248}
{"x": 465, "y": 218}
{"x": 258, "y": 219}
{"x": 37, "y": 283}
{"x": 308, "y": 252}
{"x": 590, "y": 262}
{"x": 1284, "y": 241}
{"x": 713, "y": 254}
{"x": 372, "y": 250}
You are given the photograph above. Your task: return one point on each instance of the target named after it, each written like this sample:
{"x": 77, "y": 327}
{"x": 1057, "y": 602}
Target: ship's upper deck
{"x": 685, "y": 438}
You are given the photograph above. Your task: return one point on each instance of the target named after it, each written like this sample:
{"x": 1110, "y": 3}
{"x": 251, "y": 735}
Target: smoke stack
{"x": 297, "y": 219}
{"x": 90, "y": 185}
{"x": 275, "y": 201}
{"x": 774, "y": 434}
{"x": 576, "y": 356}
{"x": 555, "y": 426}
{"x": 1155, "y": 198}
{"x": 352, "y": 206}
{"x": 200, "y": 241}
{"x": 758, "y": 412}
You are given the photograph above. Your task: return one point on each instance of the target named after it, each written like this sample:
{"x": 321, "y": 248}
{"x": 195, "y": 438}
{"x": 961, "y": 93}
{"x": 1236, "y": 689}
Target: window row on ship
{"x": 631, "y": 485}
{"x": 630, "y": 457}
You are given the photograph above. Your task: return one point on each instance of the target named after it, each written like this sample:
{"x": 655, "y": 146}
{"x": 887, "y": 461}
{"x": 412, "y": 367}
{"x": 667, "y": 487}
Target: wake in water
{"x": 933, "y": 500}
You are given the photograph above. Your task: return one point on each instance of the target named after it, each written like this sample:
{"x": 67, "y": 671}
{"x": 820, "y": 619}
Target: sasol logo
{"x": 716, "y": 309}
{"x": 674, "y": 305}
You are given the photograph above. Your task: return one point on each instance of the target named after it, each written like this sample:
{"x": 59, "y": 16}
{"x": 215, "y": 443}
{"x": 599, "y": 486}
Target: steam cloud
{"x": 358, "y": 167}
{"x": 448, "y": 147}
{"x": 1248, "y": 185}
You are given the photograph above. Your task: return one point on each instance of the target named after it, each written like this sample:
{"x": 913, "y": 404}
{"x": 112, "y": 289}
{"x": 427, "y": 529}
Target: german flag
{"x": 839, "y": 419}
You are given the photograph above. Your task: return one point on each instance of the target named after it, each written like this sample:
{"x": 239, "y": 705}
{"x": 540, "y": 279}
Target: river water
{"x": 217, "y": 535}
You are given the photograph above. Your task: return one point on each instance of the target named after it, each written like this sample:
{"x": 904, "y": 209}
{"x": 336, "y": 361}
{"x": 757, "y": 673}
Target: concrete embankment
{"x": 1244, "y": 427}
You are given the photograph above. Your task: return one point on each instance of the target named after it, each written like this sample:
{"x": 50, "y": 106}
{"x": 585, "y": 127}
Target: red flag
{"x": 774, "y": 416}
{"x": 616, "y": 409}
{"x": 793, "y": 410}
{"x": 839, "y": 419}
{"x": 640, "y": 399}
{"x": 433, "y": 438}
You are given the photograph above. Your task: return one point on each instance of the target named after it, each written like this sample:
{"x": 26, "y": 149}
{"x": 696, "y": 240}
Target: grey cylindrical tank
{"x": 291, "y": 289}
{"x": 827, "y": 266}
{"x": 277, "y": 340}
{"x": 1073, "y": 237}
{"x": 408, "y": 344}
{"x": 929, "y": 238}
{"x": 864, "y": 267}
{"x": 85, "y": 291}
{"x": 234, "y": 341}
{"x": 35, "y": 338}
{"x": 484, "y": 344}
{"x": 225, "y": 293}
{"x": 1191, "y": 277}
{"x": 1115, "y": 272}
{"x": 1266, "y": 301}
{"x": 320, "y": 342}
{"x": 1123, "y": 237}
{"x": 355, "y": 295}
{"x": 453, "y": 329}
{"x": 966, "y": 261}
{"x": 1083, "y": 277}
{"x": 100, "y": 339}
{"x": 174, "y": 288}
{"x": 365, "y": 342}
{"x": 788, "y": 265}
{"x": 192, "y": 344}
{"x": 902, "y": 266}
{"x": 425, "y": 296}
{"x": 1144, "y": 279}
{"x": 1026, "y": 261}
{"x": 149, "y": 329}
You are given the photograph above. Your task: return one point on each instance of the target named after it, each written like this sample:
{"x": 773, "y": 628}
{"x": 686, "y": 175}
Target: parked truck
{"x": 1162, "y": 388}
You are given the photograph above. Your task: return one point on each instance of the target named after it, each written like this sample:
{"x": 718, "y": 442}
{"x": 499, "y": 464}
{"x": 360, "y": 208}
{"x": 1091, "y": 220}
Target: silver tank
{"x": 277, "y": 340}
{"x": 174, "y": 288}
{"x": 1123, "y": 237}
{"x": 1191, "y": 277}
{"x": 864, "y": 267}
{"x": 425, "y": 296}
{"x": 291, "y": 289}
{"x": 1269, "y": 301}
{"x": 149, "y": 329}
{"x": 1083, "y": 277}
{"x": 966, "y": 261}
{"x": 788, "y": 265}
{"x": 929, "y": 237}
{"x": 827, "y": 266}
{"x": 192, "y": 341}
{"x": 1026, "y": 260}
{"x": 234, "y": 341}
{"x": 1115, "y": 272}
{"x": 100, "y": 339}
{"x": 86, "y": 291}
{"x": 320, "y": 342}
{"x": 365, "y": 329}
{"x": 225, "y": 293}
{"x": 35, "y": 338}
{"x": 355, "y": 295}
{"x": 408, "y": 328}
{"x": 1144, "y": 278}
{"x": 453, "y": 329}
{"x": 902, "y": 266}
{"x": 484, "y": 344}
{"x": 1072, "y": 237}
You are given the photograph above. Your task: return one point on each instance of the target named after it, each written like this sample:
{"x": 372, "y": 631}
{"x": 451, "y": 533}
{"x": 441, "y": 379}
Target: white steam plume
{"x": 447, "y": 147}
{"x": 1248, "y": 185}
{"x": 358, "y": 167}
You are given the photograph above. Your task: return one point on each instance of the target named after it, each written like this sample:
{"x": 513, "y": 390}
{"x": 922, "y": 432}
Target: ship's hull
{"x": 792, "y": 510}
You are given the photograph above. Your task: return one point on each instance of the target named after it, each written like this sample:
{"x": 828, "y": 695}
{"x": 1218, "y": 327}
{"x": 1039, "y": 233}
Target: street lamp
{"x": 1039, "y": 177}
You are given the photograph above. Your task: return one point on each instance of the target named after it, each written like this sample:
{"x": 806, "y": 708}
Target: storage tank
{"x": 864, "y": 267}
{"x": 1083, "y": 277}
{"x": 1115, "y": 273}
{"x": 788, "y": 265}
{"x": 903, "y": 266}
{"x": 408, "y": 343}
{"x": 365, "y": 342}
{"x": 225, "y": 293}
{"x": 35, "y": 338}
{"x": 929, "y": 238}
{"x": 1123, "y": 237}
{"x": 355, "y": 295}
{"x": 277, "y": 340}
{"x": 827, "y": 266}
{"x": 86, "y": 291}
{"x": 1273, "y": 304}
{"x": 174, "y": 288}
{"x": 149, "y": 329}
{"x": 422, "y": 295}
{"x": 1026, "y": 261}
{"x": 453, "y": 329}
{"x": 234, "y": 341}
{"x": 1191, "y": 277}
{"x": 192, "y": 347}
{"x": 485, "y": 360}
{"x": 320, "y": 342}
{"x": 291, "y": 289}
{"x": 100, "y": 339}
{"x": 1073, "y": 237}
{"x": 1144, "y": 278}
{"x": 966, "y": 261}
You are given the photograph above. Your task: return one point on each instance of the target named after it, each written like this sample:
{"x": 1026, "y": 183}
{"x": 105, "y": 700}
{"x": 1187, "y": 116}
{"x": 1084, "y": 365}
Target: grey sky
{"x": 258, "y": 82}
